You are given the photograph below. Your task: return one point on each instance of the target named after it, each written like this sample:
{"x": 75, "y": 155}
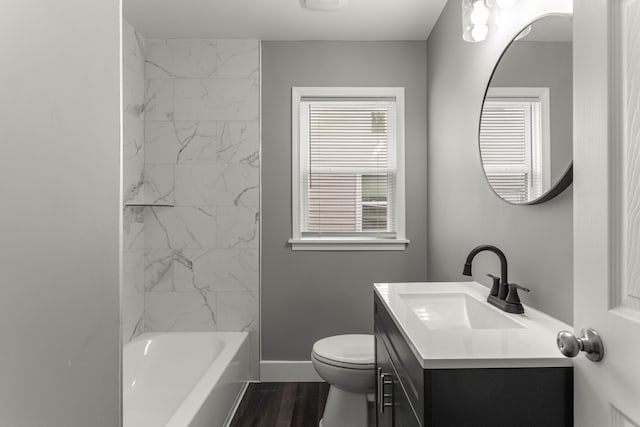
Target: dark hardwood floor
{"x": 281, "y": 405}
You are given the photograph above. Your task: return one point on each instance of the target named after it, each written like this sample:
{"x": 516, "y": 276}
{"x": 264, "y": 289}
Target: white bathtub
{"x": 184, "y": 378}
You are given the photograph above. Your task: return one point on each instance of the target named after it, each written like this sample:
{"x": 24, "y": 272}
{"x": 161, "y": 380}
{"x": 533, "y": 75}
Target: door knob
{"x": 590, "y": 342}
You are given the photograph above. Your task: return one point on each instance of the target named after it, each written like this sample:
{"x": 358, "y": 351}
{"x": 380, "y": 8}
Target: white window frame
{"x": 297, "y": 241}
{"x": 542, "y": 95}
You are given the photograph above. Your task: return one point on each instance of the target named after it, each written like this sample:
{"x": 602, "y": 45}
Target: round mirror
{"x": 526, "y": 135}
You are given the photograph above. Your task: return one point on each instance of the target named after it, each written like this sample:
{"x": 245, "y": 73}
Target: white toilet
{"x": 347, "y": 363}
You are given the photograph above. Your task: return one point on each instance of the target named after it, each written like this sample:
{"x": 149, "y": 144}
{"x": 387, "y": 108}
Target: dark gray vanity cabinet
{"x": 409, "y": 396}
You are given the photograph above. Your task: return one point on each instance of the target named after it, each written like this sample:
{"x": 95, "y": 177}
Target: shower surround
{"x": 132, "y": 281}
{"x": 201, "y": 157}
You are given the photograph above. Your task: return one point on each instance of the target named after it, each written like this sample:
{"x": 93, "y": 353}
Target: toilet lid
{"x": 354, "y": 349}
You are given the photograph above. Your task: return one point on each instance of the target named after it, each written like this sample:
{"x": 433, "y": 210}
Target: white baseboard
{"x": 279, "y": 371}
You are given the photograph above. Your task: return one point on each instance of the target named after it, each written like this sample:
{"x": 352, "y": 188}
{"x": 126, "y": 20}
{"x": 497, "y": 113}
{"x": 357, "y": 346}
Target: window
{"x": 514, "y": 142}
{"x": 348, "y": 168}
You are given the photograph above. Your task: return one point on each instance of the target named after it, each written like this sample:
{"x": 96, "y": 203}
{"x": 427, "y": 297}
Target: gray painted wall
{"x": 545, "y": 64}
{"x": 60, "y": 186}
{"x": 463, "y": 211}
{"x": 309, "y": 295}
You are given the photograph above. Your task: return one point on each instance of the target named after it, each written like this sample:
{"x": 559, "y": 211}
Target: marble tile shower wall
{"x": 201, "y": 151}
{"x": 132, "y": 286}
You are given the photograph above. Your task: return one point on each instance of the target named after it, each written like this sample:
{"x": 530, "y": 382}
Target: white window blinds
{"x": 347, "y": 167}
{"x": 510, "y": 143}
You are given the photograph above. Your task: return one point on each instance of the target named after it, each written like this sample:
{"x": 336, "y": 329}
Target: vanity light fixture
{"x": 325, "y": 5}
{"x": 478, "y": 20}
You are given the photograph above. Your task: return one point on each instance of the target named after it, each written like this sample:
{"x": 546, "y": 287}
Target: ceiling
{"x": 283, "y": 19}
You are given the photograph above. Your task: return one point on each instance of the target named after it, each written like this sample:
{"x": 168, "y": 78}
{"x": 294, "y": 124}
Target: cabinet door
{"x": 392, "y": 405}
{"x": 385, "y": 380}
{"x": 405, "y": 365}
{"x": 403, "y": 415}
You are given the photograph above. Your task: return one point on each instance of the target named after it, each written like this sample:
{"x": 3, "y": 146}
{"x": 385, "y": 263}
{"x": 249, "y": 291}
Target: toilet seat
{"x": 353, "y": 351}
{"x": 343, "y": 365}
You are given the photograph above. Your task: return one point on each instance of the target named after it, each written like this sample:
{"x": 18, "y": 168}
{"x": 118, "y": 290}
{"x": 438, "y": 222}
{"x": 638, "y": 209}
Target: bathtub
{"x": 182, "y": 379}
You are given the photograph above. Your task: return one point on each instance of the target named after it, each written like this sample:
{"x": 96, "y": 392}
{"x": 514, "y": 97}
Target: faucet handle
{"x": 496, "y": 285}
{"x": 516, "y": 286}
{"x": 513, "y": 297}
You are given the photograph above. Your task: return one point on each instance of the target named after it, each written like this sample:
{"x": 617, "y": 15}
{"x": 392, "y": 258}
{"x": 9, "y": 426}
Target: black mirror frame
{"x": 567, "y": 176}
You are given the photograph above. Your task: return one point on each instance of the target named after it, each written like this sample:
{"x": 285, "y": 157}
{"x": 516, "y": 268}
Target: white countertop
{"x": 533, "y": 345}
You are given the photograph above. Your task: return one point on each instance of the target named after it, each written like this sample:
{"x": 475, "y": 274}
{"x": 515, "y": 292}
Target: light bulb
{"x": 480, "y": 14}
{"x": 479, "y": 20}
{"x": 479, "y": 32}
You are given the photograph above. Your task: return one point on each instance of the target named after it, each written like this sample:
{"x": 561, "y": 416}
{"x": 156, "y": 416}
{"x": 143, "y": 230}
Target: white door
{"x": 607, "y": 208}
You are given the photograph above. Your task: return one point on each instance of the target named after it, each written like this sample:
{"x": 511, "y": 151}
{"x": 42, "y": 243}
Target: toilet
{"x": 347, "y": 363}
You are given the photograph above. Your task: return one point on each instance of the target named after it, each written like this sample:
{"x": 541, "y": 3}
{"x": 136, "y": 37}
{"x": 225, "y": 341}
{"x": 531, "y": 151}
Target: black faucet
{"x": 503, "y": 295}
{"x": 503, "y": 289}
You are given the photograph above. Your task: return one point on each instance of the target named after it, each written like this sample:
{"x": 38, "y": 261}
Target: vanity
{"x": 446, "y": 358}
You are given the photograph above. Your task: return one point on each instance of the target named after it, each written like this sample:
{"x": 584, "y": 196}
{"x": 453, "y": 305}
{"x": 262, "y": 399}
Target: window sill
{"x": 348, "y": 244}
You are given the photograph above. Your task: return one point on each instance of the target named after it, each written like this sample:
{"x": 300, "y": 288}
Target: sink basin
{"x": 456, "y": 311}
